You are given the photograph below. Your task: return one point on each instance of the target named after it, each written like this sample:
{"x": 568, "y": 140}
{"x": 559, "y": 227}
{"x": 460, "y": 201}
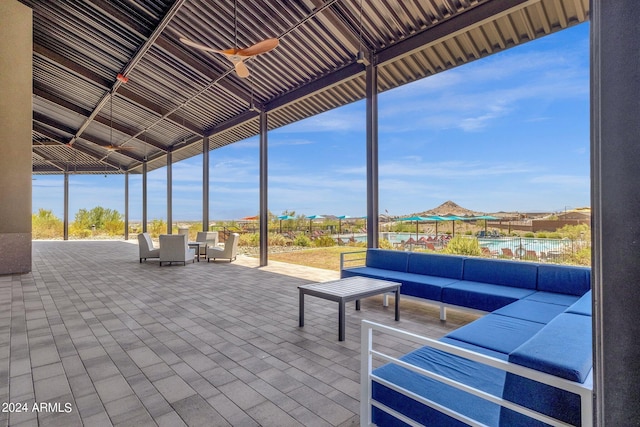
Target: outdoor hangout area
{"x": 128, "y": 343}
{"x": 157, "y": 111}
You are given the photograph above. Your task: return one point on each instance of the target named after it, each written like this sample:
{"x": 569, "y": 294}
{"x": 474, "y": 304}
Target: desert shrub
{"x": 580, "y": 257}
{"x": 323, "y": 242}
{"x": 45, "y": 225}
{"x": 302, "y": 240}
{"x": 468, "y": 233}
{"x": 529, "y": 235}
{"x": 576, "y": 232}
{"x": 276, "y": 239}
{"x": 555, "y": 235}
{"x": 156, "y": 227}
{"x": 460, "y": 245}
{"x": 541, "y": 235}
{"x": 249, "y": 239}
{"x": 384, "y": 244}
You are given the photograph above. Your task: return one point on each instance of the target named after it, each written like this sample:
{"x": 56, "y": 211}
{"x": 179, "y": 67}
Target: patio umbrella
{"x": 485, "y": 218}
{"x": 436, "y": 218}
{"x": 311, "y": 218}
{"x": 415, "y": 218}
{"x": 454, "y": 218}
{"x": 340, "y": 218}
{"x": 284, "y": 217}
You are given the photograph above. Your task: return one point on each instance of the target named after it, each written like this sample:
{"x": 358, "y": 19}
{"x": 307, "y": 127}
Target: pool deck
{"x": 115, "y": 342}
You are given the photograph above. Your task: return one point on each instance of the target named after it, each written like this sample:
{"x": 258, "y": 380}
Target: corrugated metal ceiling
{"x": 176, "y": 94}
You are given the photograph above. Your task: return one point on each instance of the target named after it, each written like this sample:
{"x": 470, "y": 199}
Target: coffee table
{"x": 196, "y": 246}
{"x": 349, "y": 289}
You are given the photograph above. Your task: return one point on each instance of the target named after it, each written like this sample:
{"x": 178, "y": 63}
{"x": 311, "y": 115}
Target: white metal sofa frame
{"x": 366, "y": 377}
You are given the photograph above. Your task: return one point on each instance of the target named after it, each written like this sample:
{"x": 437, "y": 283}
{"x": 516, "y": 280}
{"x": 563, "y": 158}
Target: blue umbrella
{"x": 340, "y": 218}
{"x": 415, "y": 218}
{"x": 284, "y": 217}
{"x": 485, "y": 218}
{"x": 311, "y": 218}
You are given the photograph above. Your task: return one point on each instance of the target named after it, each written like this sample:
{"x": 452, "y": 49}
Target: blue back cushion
{"x": 501, "y": 272}
{"x": 564, "y": 279}
{"x": 436, "y": 265}
{"x": 386, "y": 259}
{"x": 562, "y": 348}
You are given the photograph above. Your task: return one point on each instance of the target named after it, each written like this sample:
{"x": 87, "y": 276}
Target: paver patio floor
{"x": 104, "y": 340}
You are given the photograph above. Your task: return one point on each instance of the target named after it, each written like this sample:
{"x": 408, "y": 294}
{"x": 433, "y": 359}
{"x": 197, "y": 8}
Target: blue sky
{"x": 509, "y": 132}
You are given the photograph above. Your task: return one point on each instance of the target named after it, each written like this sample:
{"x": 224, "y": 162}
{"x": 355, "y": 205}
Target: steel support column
{"x": 615, "y": 185}
{"x": 126, "y": 206}
{"x": 65, "y": 220}
{"x": 169, "y": 192}
{"x": 205, "y": 183}
{"x": 144, "y": 197}
{"x": 372, "y": 155}
{"x": 264, "y": 208}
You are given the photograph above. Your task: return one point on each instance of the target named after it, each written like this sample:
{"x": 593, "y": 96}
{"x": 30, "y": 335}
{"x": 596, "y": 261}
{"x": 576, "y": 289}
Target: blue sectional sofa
{"x": 533, "y": 349}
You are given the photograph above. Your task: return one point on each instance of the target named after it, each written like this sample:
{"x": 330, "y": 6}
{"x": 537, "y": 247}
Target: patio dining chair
{"x": 175, "y": 248}
{"x": 230, "y": 249}
{"x": 145, "y": 247}
{"x": 210, "y": 238}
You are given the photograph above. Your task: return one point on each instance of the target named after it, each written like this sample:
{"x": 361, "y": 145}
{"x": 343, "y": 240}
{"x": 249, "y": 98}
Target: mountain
{"x": 448, "y": 208}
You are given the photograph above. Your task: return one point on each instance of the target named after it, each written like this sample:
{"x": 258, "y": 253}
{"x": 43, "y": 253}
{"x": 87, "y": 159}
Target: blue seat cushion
{"x": 482, "y": 296}
{"x": 583, "y": 306}
{"x": 498, "y": 333}
{"x": 501, "y": 272}
{"x": 473, "y": 347}
{"x": 428, "y": 287}
{"x": 534, "y": 311}
{"x": 562, "y": 348}
{"x": 564, "y": 279}
{"x": 374, "y": 273}
{"x": 475, "y": 374}
{"x": 449, "y": 266}
{"x": 553, "y": 298}
{"x": 387, "y": 259}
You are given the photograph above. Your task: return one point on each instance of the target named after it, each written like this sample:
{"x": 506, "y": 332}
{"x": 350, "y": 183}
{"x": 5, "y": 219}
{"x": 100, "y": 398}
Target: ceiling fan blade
{"x": 258, "y": 48}
{"x": 201, "y": 46}
{"x": 241, "y": 69}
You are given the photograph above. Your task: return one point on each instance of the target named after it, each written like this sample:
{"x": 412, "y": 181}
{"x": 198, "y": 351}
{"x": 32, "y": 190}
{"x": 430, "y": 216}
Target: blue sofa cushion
{"x": 534, "y": 311}
{"x": 583, "y": 306}
{"x": 553, "y": 298}
{"x": 564, "y": 279}
{"x": 483, "y": 377}
{"x": 498, "y": 333}
{"x": 542, "y": 398}
{"x": 375, "y": 273}
{"x": 482, "y": 296}
{"x": 387, "y": 259}
{"x": 428, "y": 287}
{"x": 449, "y": 266}
{"x": 476, "y": 348}
{"x": 562, "y": 348}
{"x": 501, "y": 272}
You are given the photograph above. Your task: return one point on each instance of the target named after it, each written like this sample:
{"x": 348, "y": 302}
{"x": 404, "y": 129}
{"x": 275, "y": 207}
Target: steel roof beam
{"x": 95, "y": 78}
{"x": 55, "y": 137}
{"x": 42, "y": 93}
{"x": 206, "y": 70}
{"x": 330, "y": 80}
{"x": 39, "y": 118}
{"x": 474, "y": 17}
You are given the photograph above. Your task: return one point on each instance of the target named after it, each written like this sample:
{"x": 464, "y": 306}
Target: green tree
{"x": 105, "y": 220}
{"x": 45, "y": 225}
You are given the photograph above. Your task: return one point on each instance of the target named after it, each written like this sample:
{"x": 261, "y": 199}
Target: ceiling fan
{"x": 238, "y": 56}
{"x": 235, "y": 55}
